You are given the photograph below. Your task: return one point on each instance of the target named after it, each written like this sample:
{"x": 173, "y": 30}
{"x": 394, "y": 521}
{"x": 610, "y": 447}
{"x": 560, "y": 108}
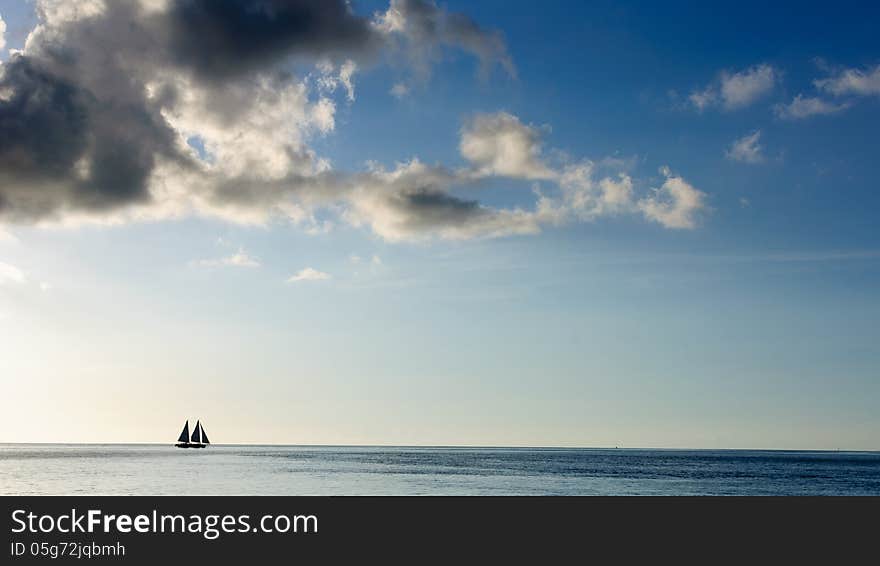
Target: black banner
{"x": 254, "y": 530}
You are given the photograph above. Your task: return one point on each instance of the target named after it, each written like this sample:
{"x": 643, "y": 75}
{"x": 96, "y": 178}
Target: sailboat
{"x": 199, "y": 438}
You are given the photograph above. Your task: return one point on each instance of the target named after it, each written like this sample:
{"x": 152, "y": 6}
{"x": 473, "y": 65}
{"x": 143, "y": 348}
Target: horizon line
{"x": 461, "y": 446}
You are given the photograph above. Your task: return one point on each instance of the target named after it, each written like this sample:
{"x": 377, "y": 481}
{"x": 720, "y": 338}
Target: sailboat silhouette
{"x": 199, "y": 438}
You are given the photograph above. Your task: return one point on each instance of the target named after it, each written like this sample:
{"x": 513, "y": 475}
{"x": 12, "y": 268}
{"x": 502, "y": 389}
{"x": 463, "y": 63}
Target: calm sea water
{"x": 334, "y": 470}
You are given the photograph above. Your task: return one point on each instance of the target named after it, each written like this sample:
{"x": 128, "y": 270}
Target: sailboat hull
{"x": 198, "y": 439}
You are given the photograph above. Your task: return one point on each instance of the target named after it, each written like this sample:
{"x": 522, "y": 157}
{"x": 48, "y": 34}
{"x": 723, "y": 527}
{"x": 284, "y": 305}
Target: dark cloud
{"x": 416, "y": 201}
{"x": 44, "y": 121}
{"x": 78, "y": 130}
{"x": 95, "y": 113}
{"x": 61, "y": 147}
{"x": 431, "y": 207}
{"x": 221, "y": 38}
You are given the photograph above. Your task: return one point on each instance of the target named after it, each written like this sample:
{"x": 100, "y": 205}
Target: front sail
{"x": 197, "y": 434}
{"x": 204, "y": 436}
{"x": 184, "y": 434}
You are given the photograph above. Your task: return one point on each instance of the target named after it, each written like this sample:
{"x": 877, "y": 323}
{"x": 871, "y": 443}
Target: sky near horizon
{"x": 452, "y": 223}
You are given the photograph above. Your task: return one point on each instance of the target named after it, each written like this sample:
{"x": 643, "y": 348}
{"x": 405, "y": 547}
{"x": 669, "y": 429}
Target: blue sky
{"x": 738, "y": 312}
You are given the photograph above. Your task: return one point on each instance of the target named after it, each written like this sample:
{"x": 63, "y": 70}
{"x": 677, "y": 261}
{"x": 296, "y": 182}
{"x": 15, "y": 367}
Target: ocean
{"x": 336, "y": 470}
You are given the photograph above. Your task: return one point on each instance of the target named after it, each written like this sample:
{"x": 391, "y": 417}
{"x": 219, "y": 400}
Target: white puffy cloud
{"x": 586, "y": 197}
{"x": 308, "y": 274}
{"x": 346, "y": 72}
{"x": 499, "y": 144}
{"x": 323, "y": 115}
{"x": 2, "y": 34}
{"x": 803, "y": 107}
{"x": 416, "y": 201}
{"x": 329, "y": 79}
{"x": 845, "y": 82}
{"x": 746, "y": 149}
{"x": 255, "y": 129}
{"x": 858, "y": 82}
{"x": 65, "y": 11}
{"x": 675, "y": 204}
{"x": 743, "y": 88}
{"x": 736, "y": 90}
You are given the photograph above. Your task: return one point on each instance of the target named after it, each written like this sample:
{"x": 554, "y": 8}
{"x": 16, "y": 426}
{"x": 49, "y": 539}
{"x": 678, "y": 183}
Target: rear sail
{"x": 184, "y": 434}
{"x": 197, "y": 434}
{"x": 204, "y": 436}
